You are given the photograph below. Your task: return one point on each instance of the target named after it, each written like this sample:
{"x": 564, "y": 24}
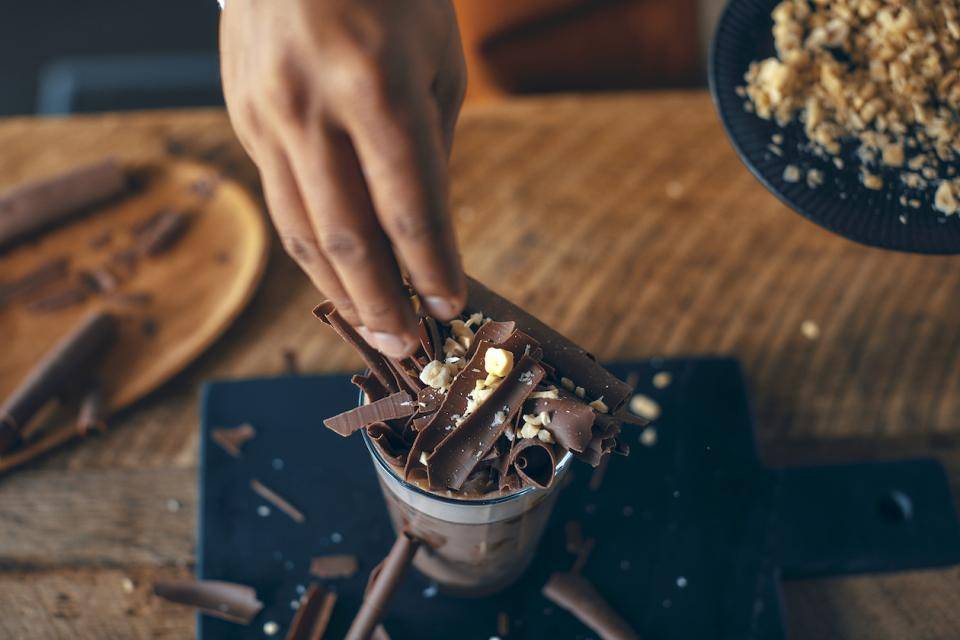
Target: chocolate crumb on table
{"x": 231, "y": 601}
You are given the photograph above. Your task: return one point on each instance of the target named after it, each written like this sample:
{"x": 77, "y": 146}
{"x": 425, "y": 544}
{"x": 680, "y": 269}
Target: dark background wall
{"x": 35, "y": 32}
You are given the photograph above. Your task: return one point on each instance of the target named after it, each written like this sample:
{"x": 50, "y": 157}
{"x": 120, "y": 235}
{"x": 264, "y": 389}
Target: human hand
{"x": 348, "y": 107}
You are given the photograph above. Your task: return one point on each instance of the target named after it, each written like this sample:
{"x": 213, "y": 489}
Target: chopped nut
{"x": 648, "y": 437}
{"x": 271, "y": 628}
{"x": 545, "y": 436}
{"x": 535, "y": 420}
{"x": 544, "y": 418}
{"x": 945, "y": 199}
{"x": 552, "y": 393}
{"x": 645, "y": 407}
{"x": 662, "y": 379}
{"x": 567, "y": 384}
{"x": 424, "y": 457}
{"x": 810, "y": 329}
{"x": 529, "y": 430}
{"x": 599, "y": 405}
{"x": 127, "y": 585}
{"x": 580, "y": 392}
{"x": 791, "y": 173}
{"x": 871, "y": 180}
{"x": 452, "y": 348}
{"x": 474, "y": 320}
{"x": 814, "y": 178}
{"x": 459, "y": 329}
{"x": 498, "y": 362}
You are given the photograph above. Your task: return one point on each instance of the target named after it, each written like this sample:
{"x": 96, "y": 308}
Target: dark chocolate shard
{"x": 494, "y": 332}
{"x": 60, "y": 299}
{"x": 397, "y": 405}
{"x": 534, "y": 461}
{"x": 334, "y": 566}
{"x": 228, "y": 600}
{"x": 405, "y": 375}
{"x": 577, "y": 595}
{"x": 327, "y": 312}
{"x": 388, "y": 443}
{"x": 457, "y": 455}
{"x": 430, "y": 338}
{"x": 370, "y": 386}
{"x": 36, "y": 206}
{"x": 277, "y": 501}
{"x": 570, "y": 360}
{"x": 232, "y": 439}
{"x": 451, "y": 409}
{"x": 35, "y": 280}
{"x": 571, "y": 422}
{"x": 313, "y": 615}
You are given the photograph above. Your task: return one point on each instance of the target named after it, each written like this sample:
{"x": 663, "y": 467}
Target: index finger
{"x": 400, "y": 147}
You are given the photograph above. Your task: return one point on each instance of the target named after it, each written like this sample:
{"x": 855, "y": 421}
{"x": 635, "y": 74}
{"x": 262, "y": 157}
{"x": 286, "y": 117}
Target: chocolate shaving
{"x": 69, "y": 359}
{"x": 370, "y": 386}
{"x": 503, "y": 624}
{"x": 313, "y": 615}
{"x": 430, "y": 338}
{"x": 228, "y": 600}
{"x": 232, "y": 439}
{"x": 34, "y": 281}
{"x": 494, "y": 332}
{"x": 457, "y": 455}
{"x": 405, "y": 377}
{"x": 571, "y": 422}
{"x": 41, "y": 204}
{"x": 577, "y": 595}
{"x": 397, "y": 405}
{"x": 381, "y": 589}
{"x": 165, "y": 231}
{"x": 277, "y": 500}
{"x": 388, "y": 443}
{"x": 333, "y": 566}
{"x": 57, "y": 300}
{"x": 569, "y": 359}
{"x": 534, "y": 461}
{"x": 327, "y": 312}
{"x": 93, "y": 412}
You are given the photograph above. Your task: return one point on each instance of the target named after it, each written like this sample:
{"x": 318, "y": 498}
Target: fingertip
{"x": 392, "y": 345}
{"x": 444, "y": 308}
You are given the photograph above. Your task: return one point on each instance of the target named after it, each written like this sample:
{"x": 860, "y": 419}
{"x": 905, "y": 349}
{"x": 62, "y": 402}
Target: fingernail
{"x": 391, "y": 345}
{"x": 442, "y": 308}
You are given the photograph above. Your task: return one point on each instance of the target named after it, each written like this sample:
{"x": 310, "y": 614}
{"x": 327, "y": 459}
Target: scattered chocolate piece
{"x": 569, "y": 359}
{"x": 574, "y": 536}
{"x": 93, "y": 412}
{"x": 534, "y": 461}
{"x": 232, "y": 439}
{"x": 100, "y": 280}
{"x": 163, "y": 233}
{"x": 503, "y": 624}
{"x": 334, "y": 566}
{"x": 313, "y": 614}
{"x": 69, "y": 359}
{"x": 583, "y": 554}
{"x": 60, "y": 299}
{"x": 228, "y": 600}
{"x": 577, "y": 595}
{"x": 396, "y": 405}
{"x": 290, "y": 365}
{"x": 377, "y": 364}
{"x": 100, "y": 240}
{"x": 41, "y": 204}
{"x": 381, "y": 589}
{"x": 34, "y": 281}
{"x": 278, "y": 501}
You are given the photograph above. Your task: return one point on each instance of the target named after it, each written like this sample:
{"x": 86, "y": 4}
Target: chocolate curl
{"x": 577, "y": 595}
{"x": 228, "y": 600}
{"x": 327, "y": 312}
{"x": 571, "y": 422}
{"x": 493, "y": 332}
{"x": 382, "y": 588}
{"x": 397, "y": 405}
{"x": 38, "y": 205}
{"x": 606, "y": 429}
{"x": 370, "y": 386}
{"x": 35, "y": 280}
{"x": 534, "y": 461}
{"x": 93, "y": 412}
{"x": 569, "y": 359}
{"x": 454, "y": 404}
{"x": 388, "y": 443}
{"x": 71, "y": 358}
{"x": 406, "y": 378}
{"x": 458, "y": 454}
{"x": 430, "y": 338}
{"x": 313, "y": 615}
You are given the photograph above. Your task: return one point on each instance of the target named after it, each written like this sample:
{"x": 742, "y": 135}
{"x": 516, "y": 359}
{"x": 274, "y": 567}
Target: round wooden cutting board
{"x": 171, "y": 306}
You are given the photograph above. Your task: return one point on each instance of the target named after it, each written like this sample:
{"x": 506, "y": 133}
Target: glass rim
{"x": 479, "y": 502}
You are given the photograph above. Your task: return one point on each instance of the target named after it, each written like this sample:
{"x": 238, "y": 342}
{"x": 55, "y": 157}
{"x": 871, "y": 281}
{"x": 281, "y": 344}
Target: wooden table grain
{"x": 625, "y": 221}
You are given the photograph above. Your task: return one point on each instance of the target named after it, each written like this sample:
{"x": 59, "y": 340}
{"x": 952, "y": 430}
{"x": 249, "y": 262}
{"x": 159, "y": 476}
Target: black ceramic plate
{"x": 842, "y": 204}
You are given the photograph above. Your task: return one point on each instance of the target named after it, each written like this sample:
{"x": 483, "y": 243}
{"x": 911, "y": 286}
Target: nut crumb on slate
{"x": 662, "y": 379}
{"x": 791, "y": 173}
{"x": 648, "y": 437}
{"x": 645, "y": 407}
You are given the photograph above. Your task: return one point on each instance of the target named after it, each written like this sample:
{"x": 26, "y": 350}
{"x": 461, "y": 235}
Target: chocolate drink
{"x": 474, "y": 546}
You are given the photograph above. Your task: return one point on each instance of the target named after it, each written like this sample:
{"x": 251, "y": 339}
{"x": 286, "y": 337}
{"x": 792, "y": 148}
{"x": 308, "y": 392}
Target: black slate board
{"x": 693, "y": 533}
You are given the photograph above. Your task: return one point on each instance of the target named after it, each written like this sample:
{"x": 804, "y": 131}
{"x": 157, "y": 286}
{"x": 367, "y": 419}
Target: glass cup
{"x": 473, "y": 547}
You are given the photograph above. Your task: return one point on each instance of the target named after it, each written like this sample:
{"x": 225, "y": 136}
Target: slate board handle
{"x": 859, "y": 518}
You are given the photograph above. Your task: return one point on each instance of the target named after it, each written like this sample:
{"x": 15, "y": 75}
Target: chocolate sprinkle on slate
{"x": 577, "y": 595}
{"x": 313, "y": 614}
{"x": 277, "y": 501}
{"x": 334, "y": 566}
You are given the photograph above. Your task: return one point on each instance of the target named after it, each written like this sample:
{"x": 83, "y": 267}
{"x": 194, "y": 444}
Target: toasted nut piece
{"x": 645, "y": 407}
{"x": 580, "y": 392}
{"x": 460, "y": 329}
{"x": 648, "y": 437}
{"x": 499, "y": 362}
{"x": 529, "y": 418}
{"x": 545, "y": 436}
{"x": 453, "y": 348}
{"x": 551, "y": 393}
{"x": 544, "y": 418}
{"x": 529, "y": 431}
{"x": 567, "y": 384}
{"x": 662, "y": 379}
{"x": 599, "y": 405}
{"x": 492, "y": 380}
{"x": 474, "y": 320}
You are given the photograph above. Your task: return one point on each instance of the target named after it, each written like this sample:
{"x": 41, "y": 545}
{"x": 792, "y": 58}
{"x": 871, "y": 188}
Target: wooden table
{"x": 625, "y": 221}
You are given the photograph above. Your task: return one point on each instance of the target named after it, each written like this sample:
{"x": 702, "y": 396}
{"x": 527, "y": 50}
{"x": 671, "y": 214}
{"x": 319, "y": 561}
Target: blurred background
{"x": 102, "y": 55}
